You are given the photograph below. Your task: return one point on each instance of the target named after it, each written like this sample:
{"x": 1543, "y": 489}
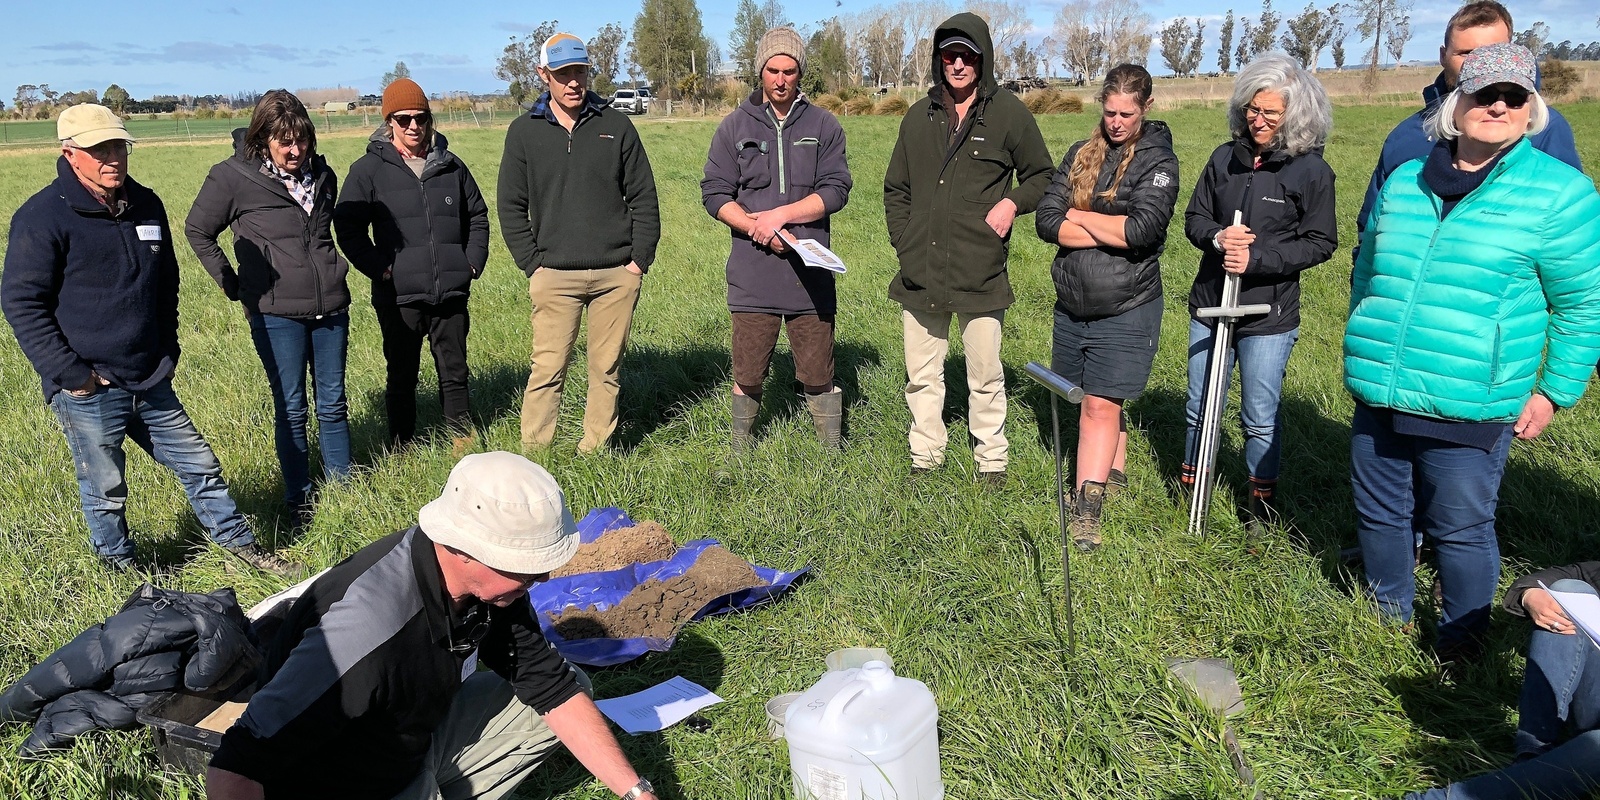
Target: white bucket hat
{"x": 506, "y": 512}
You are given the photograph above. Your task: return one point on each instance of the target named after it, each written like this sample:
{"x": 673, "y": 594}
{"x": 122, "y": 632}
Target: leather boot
{"x": 827, "y": 414}
{"x": 1260, "y": 516}
{"x": 745, "y": 409}
{"x": 1085, "y": 521}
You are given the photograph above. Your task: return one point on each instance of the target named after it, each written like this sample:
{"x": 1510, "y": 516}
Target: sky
{"x": 168, "y": 47}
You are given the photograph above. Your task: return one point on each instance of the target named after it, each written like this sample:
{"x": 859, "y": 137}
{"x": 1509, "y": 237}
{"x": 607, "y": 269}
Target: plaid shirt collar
{"x": 303, "y": 187}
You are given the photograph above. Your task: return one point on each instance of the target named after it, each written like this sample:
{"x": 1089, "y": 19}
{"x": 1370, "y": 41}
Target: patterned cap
{"x": 1497, "y": 63}
{"x": 563, "y": 50}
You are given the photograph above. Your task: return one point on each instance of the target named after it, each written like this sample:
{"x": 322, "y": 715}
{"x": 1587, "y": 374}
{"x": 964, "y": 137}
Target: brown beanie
{"x": 784, "y": 41}
{"x": 402, "y": 95}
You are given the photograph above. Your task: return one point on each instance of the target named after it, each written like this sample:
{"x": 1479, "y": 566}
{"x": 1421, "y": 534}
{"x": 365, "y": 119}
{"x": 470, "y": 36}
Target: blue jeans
{"x": 1569, "y": 772}
{"x": 1262, "y": 361}
{"x": 154, "y": 419}
{"x": 1562, "y": 685}
{"x": 287, "y": 347}
{"x": 1408, "y": 484}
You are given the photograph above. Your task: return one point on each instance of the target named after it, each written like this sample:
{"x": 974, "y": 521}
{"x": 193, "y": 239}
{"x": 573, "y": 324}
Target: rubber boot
{"x": 1260, "y": 516}
{"x": 745, "y": 409}
{"x": 827, "y": 414}
{"x": 1086, "y": 503}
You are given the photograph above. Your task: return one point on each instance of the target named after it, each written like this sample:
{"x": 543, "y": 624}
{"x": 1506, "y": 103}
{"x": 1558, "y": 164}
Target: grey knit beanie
{"x": 784, "y": 41}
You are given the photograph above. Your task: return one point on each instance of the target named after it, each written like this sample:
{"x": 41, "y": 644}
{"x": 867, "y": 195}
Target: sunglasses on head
{"x": 405, "y": 120}
{"x": 950, "y": 56}
{"x": 1515, "y": 96}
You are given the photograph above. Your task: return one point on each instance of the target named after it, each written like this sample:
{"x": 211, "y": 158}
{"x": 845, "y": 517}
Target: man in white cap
{"x": 371, "y": 686}
{"x": 91, "y": 290}
{"x": 578, "y": 211}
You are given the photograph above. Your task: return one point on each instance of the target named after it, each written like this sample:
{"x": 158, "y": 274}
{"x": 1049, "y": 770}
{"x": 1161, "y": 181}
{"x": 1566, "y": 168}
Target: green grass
{"x": 962, "y": 586}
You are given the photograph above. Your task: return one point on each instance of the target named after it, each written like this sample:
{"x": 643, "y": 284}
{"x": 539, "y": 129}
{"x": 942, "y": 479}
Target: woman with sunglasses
{"x": 277, "y": 194}
{"x": 1263, "y": 210}
{"x": 1474, "y": 314}
{"x": 411, "y": 218}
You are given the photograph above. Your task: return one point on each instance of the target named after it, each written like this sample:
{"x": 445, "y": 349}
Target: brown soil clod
{"x": 640, "y": 544}
{"x": 657, "y": 608}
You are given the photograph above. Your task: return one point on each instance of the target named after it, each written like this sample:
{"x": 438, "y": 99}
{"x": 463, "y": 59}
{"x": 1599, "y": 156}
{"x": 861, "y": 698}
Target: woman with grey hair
{"x": 1263, "y": 210}
{"x": 1474, "y": 314}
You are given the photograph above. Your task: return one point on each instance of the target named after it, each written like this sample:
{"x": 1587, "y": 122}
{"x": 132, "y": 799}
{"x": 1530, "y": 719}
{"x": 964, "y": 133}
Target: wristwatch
{"x": 639, "y": 790}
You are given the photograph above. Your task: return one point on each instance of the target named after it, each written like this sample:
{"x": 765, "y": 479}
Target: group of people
{"x": 1474, "y": 314}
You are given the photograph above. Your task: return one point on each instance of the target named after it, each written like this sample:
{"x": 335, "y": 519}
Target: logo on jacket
{"x": 449, "y": 201}
{"x": 1161, "y": 179}
{"x": 1280, "y": 201}
{"x": 607, "y": 136}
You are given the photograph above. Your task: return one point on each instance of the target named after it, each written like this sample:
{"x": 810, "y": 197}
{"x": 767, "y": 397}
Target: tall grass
{"x": 962, "y": 585}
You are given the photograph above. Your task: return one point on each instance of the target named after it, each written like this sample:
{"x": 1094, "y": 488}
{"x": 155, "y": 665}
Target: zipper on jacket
{"x": 1411, "y": 305}
{"x": 433, "y": 246}
{"x": 778, "y": 123}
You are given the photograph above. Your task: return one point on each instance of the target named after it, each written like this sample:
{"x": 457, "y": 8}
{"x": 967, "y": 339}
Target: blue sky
{"x": 167, "y": 47}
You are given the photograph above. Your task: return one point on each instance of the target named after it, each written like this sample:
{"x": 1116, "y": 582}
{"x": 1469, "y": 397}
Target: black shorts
{"x": 1109, "y": 357}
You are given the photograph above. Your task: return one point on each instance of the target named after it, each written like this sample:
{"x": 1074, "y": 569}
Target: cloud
{"x": 413, "y": 59}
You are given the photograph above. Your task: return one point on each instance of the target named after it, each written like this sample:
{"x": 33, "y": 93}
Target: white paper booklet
{"x": 815, "y": 254}
{"x": 1583, "y": 609}
{"x": 658, "y": 707}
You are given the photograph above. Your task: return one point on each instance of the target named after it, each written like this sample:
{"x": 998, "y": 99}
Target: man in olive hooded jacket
{"x": 950, "y": 203}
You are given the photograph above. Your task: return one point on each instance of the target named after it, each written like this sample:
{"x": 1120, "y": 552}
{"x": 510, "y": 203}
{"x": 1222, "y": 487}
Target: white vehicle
{"x": 629, "y": 101}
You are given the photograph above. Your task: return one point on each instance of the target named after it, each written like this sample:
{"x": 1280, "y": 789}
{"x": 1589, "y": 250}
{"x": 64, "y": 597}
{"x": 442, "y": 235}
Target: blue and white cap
{"x": 563, "y": 50}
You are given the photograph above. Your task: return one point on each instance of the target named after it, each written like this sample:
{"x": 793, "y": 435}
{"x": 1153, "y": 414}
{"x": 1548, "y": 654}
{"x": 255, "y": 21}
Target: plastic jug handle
{"x": 831, "y": 714}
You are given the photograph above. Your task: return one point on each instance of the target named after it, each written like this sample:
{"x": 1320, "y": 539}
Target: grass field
{"x": 962, "y": 585}
{"x": 163, "y": 127}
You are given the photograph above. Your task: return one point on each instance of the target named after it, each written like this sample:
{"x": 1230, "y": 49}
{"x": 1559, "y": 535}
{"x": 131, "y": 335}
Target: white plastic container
{"x": 865, "y": 734}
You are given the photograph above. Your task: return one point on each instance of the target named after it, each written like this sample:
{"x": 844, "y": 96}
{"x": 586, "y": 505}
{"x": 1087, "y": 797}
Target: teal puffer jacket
{"x": 1462, "y": 318}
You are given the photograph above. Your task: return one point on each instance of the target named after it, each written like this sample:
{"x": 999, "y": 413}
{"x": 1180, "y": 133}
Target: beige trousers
{"x": 559, "y": 297}
{"x": 927, "y": 337}
{"x": 488, "y": 743}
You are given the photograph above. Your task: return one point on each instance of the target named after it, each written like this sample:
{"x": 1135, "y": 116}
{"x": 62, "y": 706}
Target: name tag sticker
{"x": 149, "y": 233}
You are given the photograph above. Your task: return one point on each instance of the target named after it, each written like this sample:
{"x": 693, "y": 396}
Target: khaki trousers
{"x": 927, "y": 337}
{"x": 559, "y": 297}
{"x": 488, "y": 743}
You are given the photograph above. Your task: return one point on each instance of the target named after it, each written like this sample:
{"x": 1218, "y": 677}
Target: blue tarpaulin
{"x": 602, "y": 590}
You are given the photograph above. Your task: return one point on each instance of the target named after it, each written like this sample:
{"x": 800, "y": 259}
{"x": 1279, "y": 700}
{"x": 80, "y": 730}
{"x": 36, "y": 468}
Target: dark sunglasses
{"x": 464, "y": 638}
{"x": 405, "y": 120}
{"x": 1515, "y": 96}
{"x": 950, "y": 56}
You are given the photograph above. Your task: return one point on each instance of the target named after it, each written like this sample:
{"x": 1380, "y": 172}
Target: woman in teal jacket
{"x": 1475, "y": 312}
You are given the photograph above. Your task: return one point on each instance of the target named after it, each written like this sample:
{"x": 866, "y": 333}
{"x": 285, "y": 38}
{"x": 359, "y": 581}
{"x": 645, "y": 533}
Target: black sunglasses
{"x": 405, "y": 120}
{"x": 1515, "y": 96}
{"x": 464, "y": 638}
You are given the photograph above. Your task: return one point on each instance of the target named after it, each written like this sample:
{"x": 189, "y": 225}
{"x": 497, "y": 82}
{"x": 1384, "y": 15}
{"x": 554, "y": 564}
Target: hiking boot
{"x": 253, "y": 555}
{"x": 1085, "y": 523}
{"x": 1116, "y": 481}
{"x": 827, "y": 414}
{"x": 745, "y": 409}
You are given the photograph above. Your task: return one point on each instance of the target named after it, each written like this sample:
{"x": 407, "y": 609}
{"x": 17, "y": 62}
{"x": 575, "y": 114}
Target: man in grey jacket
{"x": 775, "y": 173}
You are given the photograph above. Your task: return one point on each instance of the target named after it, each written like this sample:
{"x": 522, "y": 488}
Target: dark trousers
{"x": 404, "y": 326}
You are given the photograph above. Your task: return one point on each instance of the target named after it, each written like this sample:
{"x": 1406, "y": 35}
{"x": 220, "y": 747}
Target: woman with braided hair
{"x": 1107, "y": 211}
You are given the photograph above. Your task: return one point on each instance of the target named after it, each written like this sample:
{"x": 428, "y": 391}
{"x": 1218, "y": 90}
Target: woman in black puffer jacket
{"x": 277, "y": 195}
{"x": 1107, "y": 210}
{"x": 411, "y": 218}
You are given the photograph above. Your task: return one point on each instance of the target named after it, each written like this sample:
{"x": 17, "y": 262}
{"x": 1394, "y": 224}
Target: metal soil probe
{"x": 1214, "y": 682}
{"x": 1227, "y": 314}
{"x": 1060, "y": 389}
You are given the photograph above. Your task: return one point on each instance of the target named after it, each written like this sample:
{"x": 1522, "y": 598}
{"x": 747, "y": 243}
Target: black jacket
{"x": 287, "y": 264}
{"x": 161, "y": 640}
{"x": 938, "y": 188}
{"x": 1586, "y": 571}
{"x": 86, "y": 289}
{"x": 361, "y": 672}
{"x": 1288, "y": 204}
{"x": 419, "y": 240}
{"x": 1097, "y": 282}
{"x": 579, "y": 200}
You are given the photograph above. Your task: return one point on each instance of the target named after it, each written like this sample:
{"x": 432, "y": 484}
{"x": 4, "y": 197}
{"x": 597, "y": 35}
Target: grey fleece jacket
{"x": 761, "y": 165}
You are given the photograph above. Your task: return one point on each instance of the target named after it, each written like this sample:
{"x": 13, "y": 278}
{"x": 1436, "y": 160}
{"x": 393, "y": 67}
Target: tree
{"x": 1306, "y": 35}
{"x": 827, "y": 63}
{"x": 115, "y": 97}
{"x": 1399, "y": 34}
{"x": 1124, "y": 31}
{"x": 1225, "y": 47}
{"x": 1534, "y": 37}
{"x": 1337, "y": 37}
{"x": 1082, "y": 50}
{"x": 518, "y": 64}
{"x": 605, "y": 56}
{"x": 750, "y": 23}
{"x": 1376, "y": 17}
{"x": 667, "y": 35}
{"x": 1008, "y": 24}
{"x": 1176, "y": 41}
{"x": 27, "y": 97}
{"x": 1265, "y": 35}
{"x": 882, "y": 46}
{"x": 1191, "y": 61}
{"x": 1245, "y": 49}
{"x": 400, "y": 71}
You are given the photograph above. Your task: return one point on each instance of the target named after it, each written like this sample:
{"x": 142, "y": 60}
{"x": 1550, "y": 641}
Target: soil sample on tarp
{"x": 657, "y": 608}
{"x": 640, "y": 544}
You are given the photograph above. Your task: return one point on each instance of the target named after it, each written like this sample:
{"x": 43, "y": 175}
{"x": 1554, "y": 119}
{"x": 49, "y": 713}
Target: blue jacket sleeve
{"x": 1556, "y": 140}
{"x": 29, "y": 290}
